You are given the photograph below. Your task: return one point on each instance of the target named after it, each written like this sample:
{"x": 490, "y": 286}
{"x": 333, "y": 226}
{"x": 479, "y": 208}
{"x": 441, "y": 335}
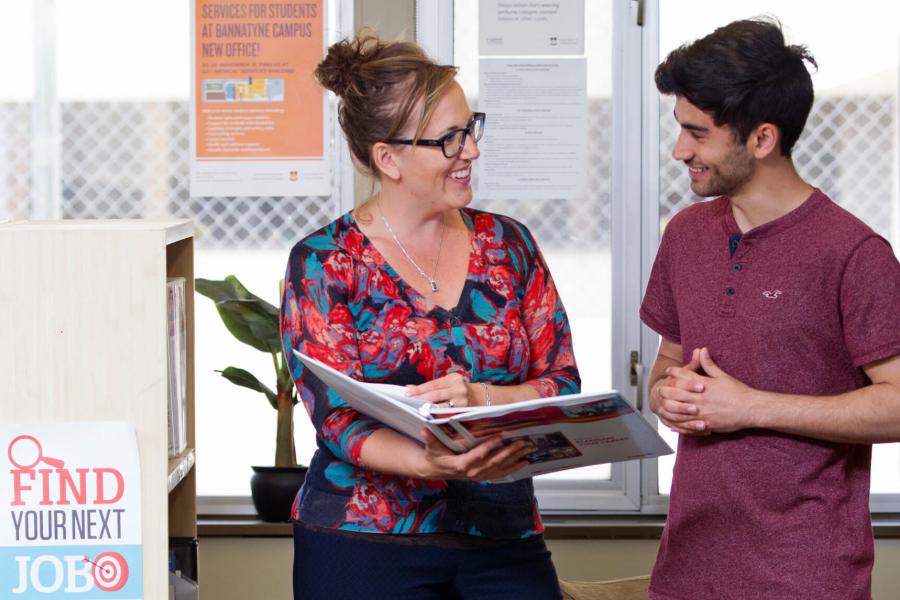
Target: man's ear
{"x": 383, "y": 160}
{"x": 764, "y": 141}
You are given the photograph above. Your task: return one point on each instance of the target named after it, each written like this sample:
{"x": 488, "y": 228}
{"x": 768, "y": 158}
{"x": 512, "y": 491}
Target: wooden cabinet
{"x": 84, "y": 338}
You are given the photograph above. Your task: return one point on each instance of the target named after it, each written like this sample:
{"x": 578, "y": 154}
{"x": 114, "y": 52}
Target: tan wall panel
{"x": 241, "y": 568}
{"x": 245, "y": 568}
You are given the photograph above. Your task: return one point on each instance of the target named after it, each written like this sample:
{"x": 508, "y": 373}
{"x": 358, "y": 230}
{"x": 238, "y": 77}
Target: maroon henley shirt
{"x": 798, "y": 306}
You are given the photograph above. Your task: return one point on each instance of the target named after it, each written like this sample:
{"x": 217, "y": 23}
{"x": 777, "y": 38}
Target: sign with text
{"x": 530, "y": 27}
{"x": 70, "y": 525}
{"x": 258, "y": 114}
{"x": 537, "y": 119}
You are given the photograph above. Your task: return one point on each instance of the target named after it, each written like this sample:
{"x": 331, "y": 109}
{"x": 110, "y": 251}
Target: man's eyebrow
{"x": 690, "y": 126}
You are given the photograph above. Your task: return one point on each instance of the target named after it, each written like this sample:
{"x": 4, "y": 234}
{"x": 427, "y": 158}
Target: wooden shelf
{"x": 83, "y": 306}
{"x": 179, "y": 467}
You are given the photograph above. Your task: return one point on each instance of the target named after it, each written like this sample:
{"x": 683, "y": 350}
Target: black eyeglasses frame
{"x": 441, "y": 141}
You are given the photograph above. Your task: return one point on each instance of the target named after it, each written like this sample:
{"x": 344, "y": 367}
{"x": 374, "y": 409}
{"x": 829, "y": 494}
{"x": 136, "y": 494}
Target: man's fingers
{"x": 686, "y": 383}
{"x": 687, "y": 427}
{"x": 679, "y": 408}
{"x": 668, "y": 392}
{"x": 677, "y": 418}
{"x": 691, "y": 432}
{"x": 694, "y": 364}
{"x": 711, "y": 368}
{"x": 683, "y": 373}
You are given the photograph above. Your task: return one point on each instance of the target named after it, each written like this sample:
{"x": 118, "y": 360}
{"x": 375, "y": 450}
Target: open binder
{"x": 567, "y": 431}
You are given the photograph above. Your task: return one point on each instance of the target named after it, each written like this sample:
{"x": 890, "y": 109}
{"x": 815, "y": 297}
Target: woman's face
{"x": 425, "y": 172}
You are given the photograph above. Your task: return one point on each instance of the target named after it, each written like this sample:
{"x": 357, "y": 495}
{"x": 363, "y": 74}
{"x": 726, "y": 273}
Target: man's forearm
{"x": 864, "y": 416}
{"x": 867, "y": 415}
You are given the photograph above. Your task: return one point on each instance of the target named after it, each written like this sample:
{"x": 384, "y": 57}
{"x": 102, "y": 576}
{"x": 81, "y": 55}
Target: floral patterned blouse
{"x": 346, "y": 306}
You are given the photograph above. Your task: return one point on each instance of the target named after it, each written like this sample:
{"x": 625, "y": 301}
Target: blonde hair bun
{"x": 382, "y": 87}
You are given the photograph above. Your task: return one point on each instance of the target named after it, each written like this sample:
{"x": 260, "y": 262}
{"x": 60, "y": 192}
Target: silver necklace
{"x": 431, "y": 280}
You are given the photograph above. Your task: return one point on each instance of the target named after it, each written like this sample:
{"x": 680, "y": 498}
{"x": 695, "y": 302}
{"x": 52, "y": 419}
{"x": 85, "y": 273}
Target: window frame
{"x": 623, "y": 492}
{"x": 633, "y": 487}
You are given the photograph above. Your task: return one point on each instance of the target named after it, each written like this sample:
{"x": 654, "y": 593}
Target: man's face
{"x": 717, "y": 164}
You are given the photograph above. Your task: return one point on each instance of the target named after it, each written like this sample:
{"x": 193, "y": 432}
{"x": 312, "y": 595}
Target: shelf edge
{"x": 179, "y": 467}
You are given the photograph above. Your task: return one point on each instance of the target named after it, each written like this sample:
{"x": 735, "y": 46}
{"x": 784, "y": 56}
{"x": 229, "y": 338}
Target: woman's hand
{"x": 488, "y": 460}
{"x": 453, "y": 390}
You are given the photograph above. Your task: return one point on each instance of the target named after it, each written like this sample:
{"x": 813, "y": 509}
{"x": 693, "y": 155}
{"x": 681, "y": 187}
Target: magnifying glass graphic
{"x": 25, "y": 452}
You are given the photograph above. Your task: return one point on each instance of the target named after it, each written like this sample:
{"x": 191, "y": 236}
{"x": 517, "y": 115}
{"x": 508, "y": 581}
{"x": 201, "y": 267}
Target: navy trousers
{"x": 334, "y": 566}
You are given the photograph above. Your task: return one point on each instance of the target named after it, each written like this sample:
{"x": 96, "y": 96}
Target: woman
{"x": 415, "y": 288}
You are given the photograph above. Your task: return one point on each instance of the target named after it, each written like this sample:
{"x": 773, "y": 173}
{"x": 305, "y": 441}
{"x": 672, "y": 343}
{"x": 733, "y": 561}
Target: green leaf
{"x": 248, "y": 380}
{"x": 251, "y": 324}
{"x": 248, "y": 317}
{"x": 244, "y": 294}
{"x": 231, "y": 289}
{"x": 215, "y": 290}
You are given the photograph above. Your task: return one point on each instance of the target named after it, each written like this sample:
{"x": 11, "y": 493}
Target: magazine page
{"x": 384, "y": 402}
{"x": 566, "y": 431}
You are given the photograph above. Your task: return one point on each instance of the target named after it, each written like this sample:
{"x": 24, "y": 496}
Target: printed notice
{"x": 70, "y": 524}
{"x": 508, "y": 27}
{"x": 535, "y": 142}
{"x": 258, "y": 115}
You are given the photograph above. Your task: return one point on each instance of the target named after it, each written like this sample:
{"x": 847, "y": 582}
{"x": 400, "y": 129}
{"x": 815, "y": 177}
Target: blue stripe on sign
{"x": 52, "y": 572}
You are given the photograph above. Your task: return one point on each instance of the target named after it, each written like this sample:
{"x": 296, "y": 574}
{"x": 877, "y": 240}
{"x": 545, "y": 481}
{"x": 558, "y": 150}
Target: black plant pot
{"x": 273, "y": 490}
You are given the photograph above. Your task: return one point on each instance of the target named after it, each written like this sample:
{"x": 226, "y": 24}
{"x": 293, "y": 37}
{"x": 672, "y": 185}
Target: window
{"x": 849, "y": 149}
{"x": 110, "y": 126}
{"x": 584, "y": 237}
{"x": 91, "y": 133}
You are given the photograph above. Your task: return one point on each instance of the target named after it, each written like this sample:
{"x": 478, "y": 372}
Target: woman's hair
{"x": 380, "y": 85}
{"x": 744, "y": 74}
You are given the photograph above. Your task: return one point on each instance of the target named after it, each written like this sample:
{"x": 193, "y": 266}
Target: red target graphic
{"x": 110, "y": 571}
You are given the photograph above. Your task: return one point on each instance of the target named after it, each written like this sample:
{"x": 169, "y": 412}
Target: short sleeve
{"x": 658, "y": 309}
{"x": 870, "y": 302}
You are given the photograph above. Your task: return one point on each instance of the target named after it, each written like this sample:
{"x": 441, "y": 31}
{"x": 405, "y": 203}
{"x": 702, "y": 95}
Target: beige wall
{"x": 241, "y": 568}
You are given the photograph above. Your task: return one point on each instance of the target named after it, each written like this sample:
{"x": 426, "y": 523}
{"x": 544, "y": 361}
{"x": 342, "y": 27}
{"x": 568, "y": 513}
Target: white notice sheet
{"x": 535, "y": 141}
{"x": 529, "y": 27}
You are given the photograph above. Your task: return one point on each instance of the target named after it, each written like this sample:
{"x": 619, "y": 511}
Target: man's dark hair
{"x": 743, "y": 74}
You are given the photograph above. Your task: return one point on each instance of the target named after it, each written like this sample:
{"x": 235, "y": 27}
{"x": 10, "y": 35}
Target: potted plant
{"x": 255, "y": 322}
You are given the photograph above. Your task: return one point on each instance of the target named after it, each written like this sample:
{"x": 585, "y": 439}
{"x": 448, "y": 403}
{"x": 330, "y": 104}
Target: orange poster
{"x": 255, "y": 98}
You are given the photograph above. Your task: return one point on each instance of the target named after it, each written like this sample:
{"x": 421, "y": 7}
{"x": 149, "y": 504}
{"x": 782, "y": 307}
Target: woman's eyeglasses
{"x": 453, "y": 142}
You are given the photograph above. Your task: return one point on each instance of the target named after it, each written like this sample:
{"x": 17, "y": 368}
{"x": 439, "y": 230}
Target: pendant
{"x": 433, "y": 285}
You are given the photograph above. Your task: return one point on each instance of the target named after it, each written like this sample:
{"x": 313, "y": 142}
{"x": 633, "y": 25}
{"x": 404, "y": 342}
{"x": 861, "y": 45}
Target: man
{"x": 779, "y": 362}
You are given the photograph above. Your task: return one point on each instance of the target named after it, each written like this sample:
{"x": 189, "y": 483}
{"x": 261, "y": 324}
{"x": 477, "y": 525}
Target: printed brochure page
{"x": 566, "y": 431}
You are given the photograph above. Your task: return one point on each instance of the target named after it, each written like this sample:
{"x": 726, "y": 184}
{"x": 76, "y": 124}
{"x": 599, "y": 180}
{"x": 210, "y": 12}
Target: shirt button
{"x": 455, "y": 321}
{"x": 737, "y": 267}
{"x": 729, "y": 291}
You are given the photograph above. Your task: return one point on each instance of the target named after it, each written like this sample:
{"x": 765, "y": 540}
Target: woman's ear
{"x": 383, "y": 159}
{"x": 764, "y": 141}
